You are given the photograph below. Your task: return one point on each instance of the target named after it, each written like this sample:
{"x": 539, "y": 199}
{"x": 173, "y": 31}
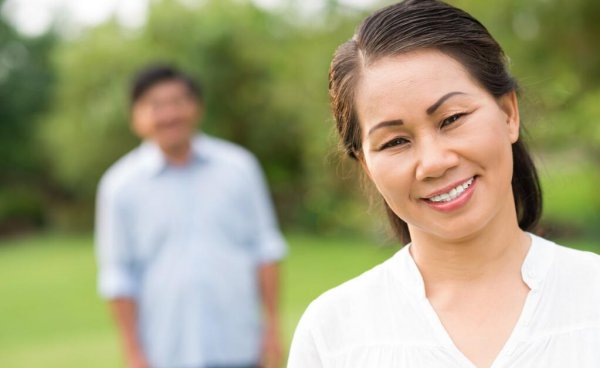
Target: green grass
{"x": 49, "y": 312}
{"x": 50, "y": 315}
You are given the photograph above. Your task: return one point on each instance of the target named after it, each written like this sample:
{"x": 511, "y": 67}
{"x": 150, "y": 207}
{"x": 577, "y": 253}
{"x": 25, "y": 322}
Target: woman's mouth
{"x": 453, "y": 193}
{"x": 452, "y": 198}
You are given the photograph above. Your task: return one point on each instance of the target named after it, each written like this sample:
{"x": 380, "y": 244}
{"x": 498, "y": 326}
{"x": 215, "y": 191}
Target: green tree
{"x": 25, "y": 86}
{"x": 265, "y": 76}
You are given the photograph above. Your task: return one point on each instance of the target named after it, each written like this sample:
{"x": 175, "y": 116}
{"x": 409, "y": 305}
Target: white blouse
{"x": 383, "y": 319}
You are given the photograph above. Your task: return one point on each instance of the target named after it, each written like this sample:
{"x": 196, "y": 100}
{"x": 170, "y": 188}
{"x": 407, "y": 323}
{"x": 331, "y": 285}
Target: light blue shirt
{"x": 185, "y": 242}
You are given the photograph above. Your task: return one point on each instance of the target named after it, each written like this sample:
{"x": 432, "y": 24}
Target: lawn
{"x": 50, "y": 315}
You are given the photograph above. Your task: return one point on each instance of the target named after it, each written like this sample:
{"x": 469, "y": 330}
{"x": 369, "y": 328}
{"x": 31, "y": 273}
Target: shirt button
{"x": 531, "y": 274}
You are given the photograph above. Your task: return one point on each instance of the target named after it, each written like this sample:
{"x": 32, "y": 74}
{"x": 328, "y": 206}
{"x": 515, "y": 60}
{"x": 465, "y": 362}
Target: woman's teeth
{"x": 452, "y": 194}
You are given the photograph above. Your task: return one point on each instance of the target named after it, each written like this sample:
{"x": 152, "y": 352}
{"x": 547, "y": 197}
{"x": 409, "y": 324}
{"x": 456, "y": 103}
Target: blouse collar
{"x": 533, "y": 271}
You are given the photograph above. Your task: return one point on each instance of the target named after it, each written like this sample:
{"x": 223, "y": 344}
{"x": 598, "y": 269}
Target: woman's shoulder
{"x": 572, "y": 274}
{"x": 363, "y": 304}
{"x": 358, "y": 296}
{"x": 348, "y": 314}
{"x": 571, "y": 288}
{"x": 574, "y": 262}
{"x": 355, "y": 292}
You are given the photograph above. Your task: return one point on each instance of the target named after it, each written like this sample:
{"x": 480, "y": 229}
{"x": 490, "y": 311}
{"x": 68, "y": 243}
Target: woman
{"x": 424, "y": 101}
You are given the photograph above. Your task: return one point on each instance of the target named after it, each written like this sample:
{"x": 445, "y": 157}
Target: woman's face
{"x": 436, "y": 144}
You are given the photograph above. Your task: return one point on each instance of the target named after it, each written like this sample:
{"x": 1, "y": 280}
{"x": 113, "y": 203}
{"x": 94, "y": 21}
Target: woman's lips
{"x": 454, "y": 198}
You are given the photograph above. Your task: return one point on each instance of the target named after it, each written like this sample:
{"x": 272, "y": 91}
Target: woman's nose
{"x": 434, "y": 158}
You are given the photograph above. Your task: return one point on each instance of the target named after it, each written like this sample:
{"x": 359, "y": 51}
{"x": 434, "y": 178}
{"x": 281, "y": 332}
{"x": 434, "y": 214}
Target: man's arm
{"x": 116, "y": 282}
{"x": 270, "y": 247}
{"x": 125, "y": 314}
{"x": 272, "y": 353}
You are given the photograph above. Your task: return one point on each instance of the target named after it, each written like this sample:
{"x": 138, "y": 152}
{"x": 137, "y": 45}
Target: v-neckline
{"x": 536, "y": 263}
{"x": 507, "y": 348}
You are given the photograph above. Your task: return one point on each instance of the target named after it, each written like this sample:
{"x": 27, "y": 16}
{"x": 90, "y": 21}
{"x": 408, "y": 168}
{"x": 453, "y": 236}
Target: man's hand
{"x": 125, "y": 314}
{"x": 272, "y": 350}
{"x": 137, "y": 360}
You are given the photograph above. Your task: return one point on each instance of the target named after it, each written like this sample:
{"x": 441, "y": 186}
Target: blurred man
{"x": 186, "y": 238}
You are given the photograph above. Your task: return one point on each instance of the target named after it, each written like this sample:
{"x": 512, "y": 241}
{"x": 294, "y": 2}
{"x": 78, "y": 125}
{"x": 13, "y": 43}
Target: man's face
{"x": 167, "y": 113}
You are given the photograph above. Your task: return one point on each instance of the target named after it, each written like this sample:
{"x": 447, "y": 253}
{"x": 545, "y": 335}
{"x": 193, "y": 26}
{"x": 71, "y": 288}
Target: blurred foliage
{"x": 25, "y": 87}
{"x": 265, "y": 77}
{"x": 266, "y": 88}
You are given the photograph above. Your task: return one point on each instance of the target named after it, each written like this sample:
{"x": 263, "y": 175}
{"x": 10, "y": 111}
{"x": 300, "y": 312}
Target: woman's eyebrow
{"x": 384, "y": 124}
{"x": 431, "y": 109}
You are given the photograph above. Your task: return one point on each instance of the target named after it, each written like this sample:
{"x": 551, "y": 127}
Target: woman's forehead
{"x": 413, "y": 67}
{"x": 415, "y": 78}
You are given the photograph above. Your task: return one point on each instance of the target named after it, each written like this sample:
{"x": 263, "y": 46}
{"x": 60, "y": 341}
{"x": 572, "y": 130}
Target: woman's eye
{"x": 451, "y": 119}
{"x": 394, "y": 142}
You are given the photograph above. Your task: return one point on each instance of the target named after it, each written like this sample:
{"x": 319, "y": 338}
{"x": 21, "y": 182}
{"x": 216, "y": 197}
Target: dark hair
{"x": 421, "y": 24}
{"x": 154, "y": 74}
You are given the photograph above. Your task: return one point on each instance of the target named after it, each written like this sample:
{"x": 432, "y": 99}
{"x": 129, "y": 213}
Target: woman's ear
{"x": 510, "y": 105}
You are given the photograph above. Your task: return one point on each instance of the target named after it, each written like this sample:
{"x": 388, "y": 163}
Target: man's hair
{"x": 154, "y": 74}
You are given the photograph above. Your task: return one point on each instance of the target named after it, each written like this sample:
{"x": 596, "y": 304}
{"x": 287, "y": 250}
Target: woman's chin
{"x": 448, "y": 234}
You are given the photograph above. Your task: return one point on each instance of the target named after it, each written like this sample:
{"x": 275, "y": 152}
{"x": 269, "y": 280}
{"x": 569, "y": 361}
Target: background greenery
{"x": 64, "y": 106}
{"x": 64, "y": 109}
{"x": 64, "y": 120}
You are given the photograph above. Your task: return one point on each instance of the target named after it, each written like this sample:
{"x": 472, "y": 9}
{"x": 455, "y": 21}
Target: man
{"x": 186, "y": 238}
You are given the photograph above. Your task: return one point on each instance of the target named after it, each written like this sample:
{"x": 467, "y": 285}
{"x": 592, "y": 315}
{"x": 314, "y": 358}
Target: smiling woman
{"x": 461, "y": 139}
{"x": 424, "y": 101}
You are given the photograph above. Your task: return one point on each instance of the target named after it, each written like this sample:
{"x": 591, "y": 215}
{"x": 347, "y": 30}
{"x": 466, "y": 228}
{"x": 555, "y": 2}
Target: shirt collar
{"x": 155, "y": 161}
{"x": 408, "y": 273}
{"x": 534, "y": 269}
{"x": 538, "y": 261}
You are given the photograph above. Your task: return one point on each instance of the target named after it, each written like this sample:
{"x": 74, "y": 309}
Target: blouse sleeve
{"x": 304, "y": 351}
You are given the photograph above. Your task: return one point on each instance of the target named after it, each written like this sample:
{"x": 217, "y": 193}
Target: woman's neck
{"x": 497, "y": 249}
